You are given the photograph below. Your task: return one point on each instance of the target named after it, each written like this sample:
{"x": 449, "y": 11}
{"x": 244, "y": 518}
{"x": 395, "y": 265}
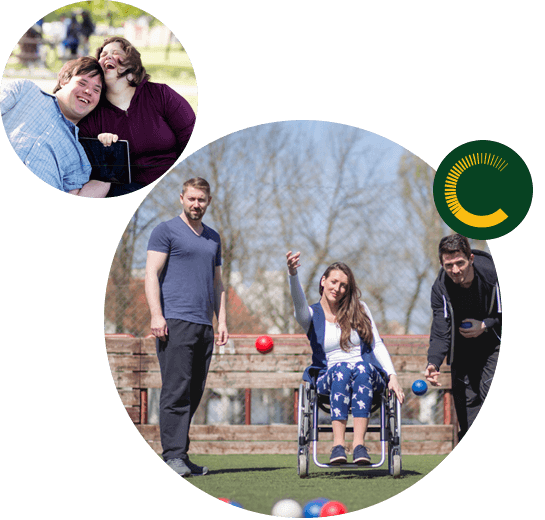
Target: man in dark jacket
{"x": 466, "y": 327}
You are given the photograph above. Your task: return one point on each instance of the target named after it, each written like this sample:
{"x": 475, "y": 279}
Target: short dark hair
{"x": 132, "y": 61}
{"x": 454, "y": 244}
{"x": 86, "y": 65}
{"x": 198, "y": 183}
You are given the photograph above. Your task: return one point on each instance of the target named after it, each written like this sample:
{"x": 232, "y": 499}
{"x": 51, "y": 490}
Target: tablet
{"x": 109, "y": 163}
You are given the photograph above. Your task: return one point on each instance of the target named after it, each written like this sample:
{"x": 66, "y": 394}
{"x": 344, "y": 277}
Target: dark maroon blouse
{"x": 157, "y": 124}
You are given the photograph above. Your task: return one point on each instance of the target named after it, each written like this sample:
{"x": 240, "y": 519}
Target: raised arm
{"x": 303, "y": 313}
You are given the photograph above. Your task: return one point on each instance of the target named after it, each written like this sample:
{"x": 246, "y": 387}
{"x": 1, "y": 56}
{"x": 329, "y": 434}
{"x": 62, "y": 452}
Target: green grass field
{"x": 258, "y": 481}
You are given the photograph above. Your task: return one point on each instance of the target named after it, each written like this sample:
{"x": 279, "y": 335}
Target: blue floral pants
{"x": 350, "y": 386}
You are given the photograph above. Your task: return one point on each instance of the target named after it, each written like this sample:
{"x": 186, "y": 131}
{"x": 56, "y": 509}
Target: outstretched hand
{"x": 293, "y": 262}
{"x": 432, "y": 375}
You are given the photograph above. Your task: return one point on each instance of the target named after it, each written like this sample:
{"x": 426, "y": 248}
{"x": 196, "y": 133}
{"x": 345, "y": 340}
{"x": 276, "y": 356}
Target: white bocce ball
{"x": 287, "y": 508}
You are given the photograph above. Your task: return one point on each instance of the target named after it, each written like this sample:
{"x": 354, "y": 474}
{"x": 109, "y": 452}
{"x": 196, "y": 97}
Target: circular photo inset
{"x": 98, "y": 99}
{"x": 269, "y": 328}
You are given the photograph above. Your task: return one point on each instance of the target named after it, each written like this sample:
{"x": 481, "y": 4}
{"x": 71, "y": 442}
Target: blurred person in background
{"x": 72, "y": 37}
{"x": 87, "y": 28}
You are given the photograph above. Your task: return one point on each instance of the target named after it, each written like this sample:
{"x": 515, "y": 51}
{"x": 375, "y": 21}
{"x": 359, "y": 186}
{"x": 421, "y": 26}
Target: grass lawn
{"x": 258, "y": 481}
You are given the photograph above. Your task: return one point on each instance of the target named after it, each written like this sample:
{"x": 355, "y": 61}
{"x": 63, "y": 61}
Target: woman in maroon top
{"x": 155, "y": 120}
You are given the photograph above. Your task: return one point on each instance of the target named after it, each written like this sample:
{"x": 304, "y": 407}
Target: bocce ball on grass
{"x": 287, "y": 508}
{"x": 333, "y": 508}
{"x": 312, "y": 509}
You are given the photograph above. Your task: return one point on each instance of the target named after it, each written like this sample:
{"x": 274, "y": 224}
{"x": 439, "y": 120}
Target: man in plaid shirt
{"x": 42, "y": 127}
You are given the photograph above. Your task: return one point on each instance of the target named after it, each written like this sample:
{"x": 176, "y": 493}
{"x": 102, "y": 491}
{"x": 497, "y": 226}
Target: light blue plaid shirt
{"x": 42, "y": 137}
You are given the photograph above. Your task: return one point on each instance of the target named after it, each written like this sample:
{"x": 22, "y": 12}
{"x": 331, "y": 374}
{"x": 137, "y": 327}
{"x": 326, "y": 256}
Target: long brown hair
{"x": 351, "y": 314}
{"x": 132, "y": 61}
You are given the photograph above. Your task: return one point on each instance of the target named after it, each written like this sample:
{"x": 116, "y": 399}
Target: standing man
{"x": 466, "y": 291}
{"x": 183, "y": 289}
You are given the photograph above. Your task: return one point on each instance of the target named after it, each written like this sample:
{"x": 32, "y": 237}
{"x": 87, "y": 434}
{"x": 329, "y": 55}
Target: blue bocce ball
{"x": 419, "y": 387}
{"x": 313, "y": 508}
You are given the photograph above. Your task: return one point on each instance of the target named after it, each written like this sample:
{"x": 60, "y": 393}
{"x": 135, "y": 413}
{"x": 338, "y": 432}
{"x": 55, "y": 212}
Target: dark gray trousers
{"x": 471, "y": 380}
{"x": 184, "y": 359}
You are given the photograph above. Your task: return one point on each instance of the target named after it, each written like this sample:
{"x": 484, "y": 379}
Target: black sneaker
{"x": 338, "y": 455}
{"x": 361, "y": 456}
{"x": 196, "y": 470}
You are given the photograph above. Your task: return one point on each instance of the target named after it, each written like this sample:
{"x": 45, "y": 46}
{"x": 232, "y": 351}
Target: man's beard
{"x": 194, "y": 214}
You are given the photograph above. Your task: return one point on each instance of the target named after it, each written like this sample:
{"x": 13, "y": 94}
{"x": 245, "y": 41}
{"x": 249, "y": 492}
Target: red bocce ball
{"x": 264, "y": 344}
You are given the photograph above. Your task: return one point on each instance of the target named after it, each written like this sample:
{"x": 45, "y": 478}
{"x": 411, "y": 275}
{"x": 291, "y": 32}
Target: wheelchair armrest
{"x": 311, "y": 375}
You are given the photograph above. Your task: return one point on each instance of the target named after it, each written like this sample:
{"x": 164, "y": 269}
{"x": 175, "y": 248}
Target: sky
{"x": 377, "y": 147}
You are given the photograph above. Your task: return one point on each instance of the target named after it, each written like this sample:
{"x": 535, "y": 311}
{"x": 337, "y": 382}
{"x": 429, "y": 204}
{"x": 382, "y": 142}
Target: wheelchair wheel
{"x": 396, "y": 466}
{"x": 394, "y": 437}
{"x": 302, "y": 463}
{"x": 303, "y": 430}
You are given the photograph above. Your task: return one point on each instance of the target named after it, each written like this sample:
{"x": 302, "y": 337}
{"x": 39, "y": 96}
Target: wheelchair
{"x": 309, "y": 428}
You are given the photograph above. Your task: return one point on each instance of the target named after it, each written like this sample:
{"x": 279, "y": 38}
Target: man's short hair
{"x": 86, "y": 65}
{"x": 454, "y": 244}
{"x": 198, "y": 183}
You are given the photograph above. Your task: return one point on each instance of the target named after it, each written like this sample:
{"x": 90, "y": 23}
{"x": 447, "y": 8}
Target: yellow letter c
{"x": 480, "y": 221}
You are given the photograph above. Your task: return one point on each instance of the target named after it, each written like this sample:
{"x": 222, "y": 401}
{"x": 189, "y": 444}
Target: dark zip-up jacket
{"x": 442, "y": 334}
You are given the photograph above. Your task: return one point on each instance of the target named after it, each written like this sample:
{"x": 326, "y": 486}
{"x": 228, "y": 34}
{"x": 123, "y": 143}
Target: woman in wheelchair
{"x": 351, "y": 357}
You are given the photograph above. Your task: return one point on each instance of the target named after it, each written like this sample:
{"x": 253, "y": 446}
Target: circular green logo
{"x": 482, "y": 190}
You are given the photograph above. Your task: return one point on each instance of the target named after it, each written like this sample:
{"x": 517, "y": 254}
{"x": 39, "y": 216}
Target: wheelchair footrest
{"x": 349, "y": 429}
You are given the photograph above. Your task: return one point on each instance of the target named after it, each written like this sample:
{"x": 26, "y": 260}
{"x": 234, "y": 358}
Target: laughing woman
{"x": 352, "y": 360}
{"x": 155, "y": 120}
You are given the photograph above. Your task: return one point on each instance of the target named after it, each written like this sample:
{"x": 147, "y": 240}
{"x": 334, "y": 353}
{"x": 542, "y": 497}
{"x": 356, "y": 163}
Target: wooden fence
{"x": 239, "y": 365}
